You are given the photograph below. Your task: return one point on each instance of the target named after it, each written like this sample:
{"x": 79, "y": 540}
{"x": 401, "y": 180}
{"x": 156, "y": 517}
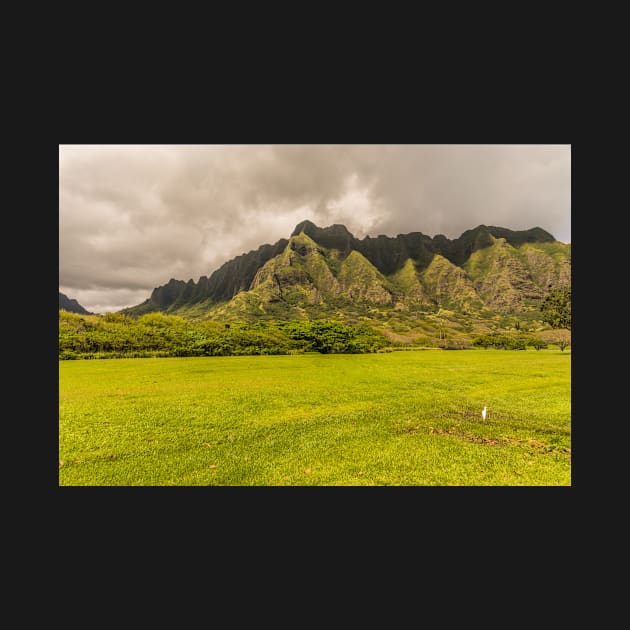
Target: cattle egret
{"x": 484, "y": 411}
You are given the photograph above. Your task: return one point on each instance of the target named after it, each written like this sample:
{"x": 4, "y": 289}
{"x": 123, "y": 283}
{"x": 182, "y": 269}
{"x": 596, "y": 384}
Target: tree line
{"x": 116, "y": 335}
{"x": 498, "y": 341}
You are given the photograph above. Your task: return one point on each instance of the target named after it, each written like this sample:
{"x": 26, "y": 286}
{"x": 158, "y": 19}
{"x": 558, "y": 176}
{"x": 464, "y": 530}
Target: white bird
{"x": 484, "y": 411}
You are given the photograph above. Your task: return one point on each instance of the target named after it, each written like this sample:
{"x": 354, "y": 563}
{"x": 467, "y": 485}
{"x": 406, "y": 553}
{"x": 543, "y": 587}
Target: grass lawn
{"x": 401, "y": 418}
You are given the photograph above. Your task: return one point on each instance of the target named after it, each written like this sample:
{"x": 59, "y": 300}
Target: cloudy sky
{"x": 133, "y": 216}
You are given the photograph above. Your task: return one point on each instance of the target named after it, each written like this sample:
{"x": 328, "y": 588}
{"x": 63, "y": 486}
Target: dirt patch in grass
{"x": 530, "y": 443}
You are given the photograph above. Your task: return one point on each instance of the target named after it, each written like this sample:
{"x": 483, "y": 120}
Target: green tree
{"x": 556, "y": 308}
{"x": 330, "y": 337}
{"x": 483, "y": 341}
{"x": 536, "y": 343}
{"x": 516, "y": 343}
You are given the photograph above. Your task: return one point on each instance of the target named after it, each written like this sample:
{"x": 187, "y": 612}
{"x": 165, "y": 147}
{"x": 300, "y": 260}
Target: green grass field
{"x": 401, "y": 418}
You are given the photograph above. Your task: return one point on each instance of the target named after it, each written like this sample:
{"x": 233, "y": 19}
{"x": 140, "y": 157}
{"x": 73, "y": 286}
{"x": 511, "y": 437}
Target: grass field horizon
{"x": 400, "y": 418}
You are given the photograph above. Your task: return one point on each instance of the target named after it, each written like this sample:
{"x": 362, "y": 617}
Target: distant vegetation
{"x": 158, "y": 335}
{"x": 116, "y": 335}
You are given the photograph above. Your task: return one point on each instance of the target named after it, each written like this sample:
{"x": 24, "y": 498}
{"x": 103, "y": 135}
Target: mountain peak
{"x": 334, "y": 236}
{"x": 71, "y": 305}
{"x": 309, "y": 228}
{"x": 305, "y": 226}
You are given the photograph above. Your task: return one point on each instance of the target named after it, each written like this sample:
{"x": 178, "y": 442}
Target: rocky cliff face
{"x": 488, "y": 268}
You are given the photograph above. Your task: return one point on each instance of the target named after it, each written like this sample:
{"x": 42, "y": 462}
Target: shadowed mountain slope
{"x": 68, "y": 304}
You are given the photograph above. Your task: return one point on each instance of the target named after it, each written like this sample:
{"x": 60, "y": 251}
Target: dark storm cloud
{"x": 131, "y": 217}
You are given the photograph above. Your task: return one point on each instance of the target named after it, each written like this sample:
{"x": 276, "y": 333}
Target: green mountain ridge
{"x": 487, "y": 272}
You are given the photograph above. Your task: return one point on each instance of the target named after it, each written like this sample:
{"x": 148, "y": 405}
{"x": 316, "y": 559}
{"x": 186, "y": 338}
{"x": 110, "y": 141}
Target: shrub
{"x": 536, "y": 343}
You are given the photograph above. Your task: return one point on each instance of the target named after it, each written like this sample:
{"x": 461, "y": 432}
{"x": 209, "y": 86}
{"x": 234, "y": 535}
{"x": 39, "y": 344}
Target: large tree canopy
{"x": 556, "y": 308}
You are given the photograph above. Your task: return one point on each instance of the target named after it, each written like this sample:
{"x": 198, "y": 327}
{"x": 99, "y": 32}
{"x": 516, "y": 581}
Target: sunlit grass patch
{"x": 408, "y": 418}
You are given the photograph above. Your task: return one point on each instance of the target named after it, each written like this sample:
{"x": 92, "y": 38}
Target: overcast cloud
{"x": 133, "y": 216}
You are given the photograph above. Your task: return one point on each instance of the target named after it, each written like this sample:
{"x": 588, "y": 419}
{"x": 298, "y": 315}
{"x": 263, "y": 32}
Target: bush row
{"x": 509, "y": 342}
{"x": 116, "y": 335}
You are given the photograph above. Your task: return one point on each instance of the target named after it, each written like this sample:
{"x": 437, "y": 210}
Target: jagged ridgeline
{"x": 320, "y": 272}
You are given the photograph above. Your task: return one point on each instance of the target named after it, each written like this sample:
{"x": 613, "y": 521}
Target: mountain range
{"x": 486, "y": 272}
